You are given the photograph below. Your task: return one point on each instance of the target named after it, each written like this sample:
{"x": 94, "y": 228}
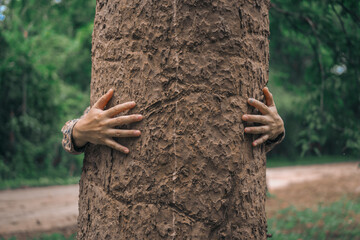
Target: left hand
{"x": 272, "y": 126}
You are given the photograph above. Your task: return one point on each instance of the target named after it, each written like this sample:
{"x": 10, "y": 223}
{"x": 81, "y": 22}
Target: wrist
{"x": 76, "y": 135}
{"x": 276, "y": 138}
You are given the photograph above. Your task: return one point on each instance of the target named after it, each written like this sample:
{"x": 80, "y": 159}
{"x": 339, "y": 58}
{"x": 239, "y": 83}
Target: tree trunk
{"x": 190, "y": 66}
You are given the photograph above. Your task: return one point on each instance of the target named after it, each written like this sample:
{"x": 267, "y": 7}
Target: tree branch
{"x": 355, "y": 17}
{"x": 316, "y": 47}
{"x": 319, "y": 57}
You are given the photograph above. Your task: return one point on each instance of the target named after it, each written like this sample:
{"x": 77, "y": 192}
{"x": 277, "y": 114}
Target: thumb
{"x": 268, "y": 96}
{"x": 101, "y": 103}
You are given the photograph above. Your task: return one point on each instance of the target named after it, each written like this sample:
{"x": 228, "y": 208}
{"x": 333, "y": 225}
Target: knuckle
{"x": 98, "y": 116}
{"x": 119, "y": 108}
{"x": 110, "y": 144}
{"x": 267, "y": 119}
{"x": 119, "y": 121}
{"x": 103, "y": 132}
{"x": 121, "y": 149}
{"x": 134, "y": 118}
{"x": 272, "y": 121}
{"x": 102, "y": 124}
{"x": 128, "y": 118}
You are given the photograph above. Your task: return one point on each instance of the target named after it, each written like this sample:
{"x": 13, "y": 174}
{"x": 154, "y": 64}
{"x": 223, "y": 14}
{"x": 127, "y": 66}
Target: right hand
{"x": 98, "y": 125}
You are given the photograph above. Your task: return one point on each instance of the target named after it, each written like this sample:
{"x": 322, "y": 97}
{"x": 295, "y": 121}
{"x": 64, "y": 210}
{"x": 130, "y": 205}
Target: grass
{"x": 285, "y": 162}
{"x": 55, "y": 236}
{"x": 340, "y": 220}
{"x": 39, "y": 182}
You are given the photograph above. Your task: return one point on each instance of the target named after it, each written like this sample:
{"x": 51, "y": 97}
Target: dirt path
{"x": 307, "y": 186}
{"x": 27, "y": 211}
{"x": 282, "y": 177}
{"x": 34, "y": 210}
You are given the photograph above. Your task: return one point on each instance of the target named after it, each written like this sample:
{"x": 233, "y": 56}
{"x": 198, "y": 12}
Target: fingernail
{"x": 126, "y": 150}
{"x": 251, "y": 100}
{"x": 254, "y": 144}
{"x": 244, "y": 117}
{"x": 245, "y": 130}
{"x": 139, "y": 117}
{"x": 137, "y": 132}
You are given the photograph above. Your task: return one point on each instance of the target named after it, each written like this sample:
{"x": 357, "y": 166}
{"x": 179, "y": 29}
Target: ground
{"x": 28, "y": 212}
{"x": 307, "y": 186}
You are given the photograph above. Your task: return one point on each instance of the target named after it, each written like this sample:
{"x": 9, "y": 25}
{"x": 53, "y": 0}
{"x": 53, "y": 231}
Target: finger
{"x": 269, "y": 97}
{"x": 101, "y": 103}
{"x": 123, "y": 133}
{"x": 111, "y": 143}
{"x": 124, "y": 120}
{"x": 255, "y": 118}
{"x": 260, "y": 140}
{"x": 119, "y": 108}
{"x": 259, "y": 105}
{"x": 257, "y": 130}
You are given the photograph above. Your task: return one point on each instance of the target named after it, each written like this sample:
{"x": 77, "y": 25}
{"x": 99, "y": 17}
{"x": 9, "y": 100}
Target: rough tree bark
{"x": 190, "y": 65}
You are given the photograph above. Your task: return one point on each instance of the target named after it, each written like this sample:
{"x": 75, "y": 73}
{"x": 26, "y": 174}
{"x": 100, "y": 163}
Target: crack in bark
{"x": 172, "y": 205}
{"x": 228, "y": 195}
{"x": 241, "y": 19}
{"x": 110, "y": 169}
{"x": 152, "y": 107}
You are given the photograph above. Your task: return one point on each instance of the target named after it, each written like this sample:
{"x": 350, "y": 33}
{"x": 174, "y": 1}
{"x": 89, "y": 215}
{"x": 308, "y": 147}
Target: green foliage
{"x": 309, "y": 160}
{"x": 315, "y": 58}
{"x": 38, "y": 182}
{"x": 337, "y": 221}
{"x": 44, "y": 81}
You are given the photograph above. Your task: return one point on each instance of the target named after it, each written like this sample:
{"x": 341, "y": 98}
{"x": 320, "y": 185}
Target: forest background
{"x": 45, "y": 72}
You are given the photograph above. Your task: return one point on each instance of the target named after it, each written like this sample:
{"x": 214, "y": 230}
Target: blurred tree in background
{"x": 314, "y": 70}
{"x": 45, "y": 68}
{"x": 45, "y": 72}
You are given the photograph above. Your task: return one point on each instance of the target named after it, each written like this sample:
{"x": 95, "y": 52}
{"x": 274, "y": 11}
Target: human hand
{"x": 272, "y": 126}
{"x": 98, "y": 125}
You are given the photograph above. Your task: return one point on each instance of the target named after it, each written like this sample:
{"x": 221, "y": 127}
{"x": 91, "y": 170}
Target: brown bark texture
{"x": 190, "y": 65}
